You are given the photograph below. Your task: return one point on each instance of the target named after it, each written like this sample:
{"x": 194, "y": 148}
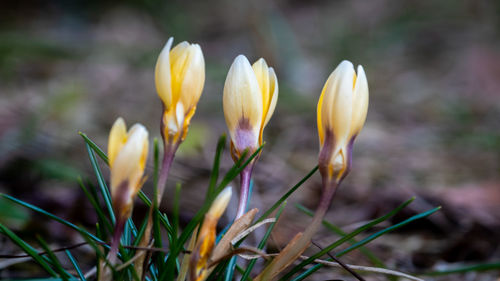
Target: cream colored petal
{"x": 139, "y": 129}
{"x": 178, "y": 50}
{"x": 273, "y": 90}
{"x": 220, "y": 203}
{"x": 117, "y": 138}
{"x": 261, "y": 71}
{"x": 179, "y": 115}
{"x": 163, "y": 79}
{"x": 339, "y": 94}
{"x": 194, "y": 77}
{"x": 242, "y": 98}
{"x": 360, "y": 103}
{"x": 130, "y": 161}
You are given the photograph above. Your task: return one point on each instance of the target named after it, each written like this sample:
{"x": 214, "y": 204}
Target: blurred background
{"x": 432, "y": 131}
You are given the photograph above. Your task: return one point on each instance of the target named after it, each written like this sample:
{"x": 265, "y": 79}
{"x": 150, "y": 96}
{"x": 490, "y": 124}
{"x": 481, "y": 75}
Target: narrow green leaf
{"x": 241, "y": 271}
{"x": 42, "y": 261}
{"x": 345, "y": 239}
{"x": 230, "y": 269}
{"x": 102, "y": 183}
{"x": 51, "y": 216}
{"x": 367, "y": 240}
{"x": 100, "y": 214}
{"x": 94, "y": 146}
{"x": 54, "y": 260}
{"x": 130, "y": 269}
{"x": 75, "y": 265}
{"x": 287, "y": 194}
{"x": 163, "y": 218}
{"x": 214, "y": 175}
{"x": 389, "y": 229}
{"x": 126, "y": 235}
{"x": 97, "y": 248}
{"x": 218, "y": 272}
{"x": 263, "y": 242}
{"x": 156, "y": 167}
{"x": 369, "y": 254}
{"x": 168, "y": 274}
{"x": 141, "y": 231}
{"x": 177, "y": 198}
{"x": 468, "y": 268}
{"x": 160, "y": 257}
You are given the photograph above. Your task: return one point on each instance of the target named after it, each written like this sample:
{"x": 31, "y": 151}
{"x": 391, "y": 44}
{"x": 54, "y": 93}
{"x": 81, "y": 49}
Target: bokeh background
{"x": 433, "y": 127}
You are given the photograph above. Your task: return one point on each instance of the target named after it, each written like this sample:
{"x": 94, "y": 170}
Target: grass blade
{"x": 94, "y": 146}
{"x": 389, "y": 229}
{"x": 102, "y": 183}
{"x": 156, "y": 167}
{"x": 287, "y": 194}
{"x": 365, "y": 241}
{"x": 163, "y": 218}
{"x": 345, "y": 239}
{"x": 54, "y": 260}
{"x": 75, "y": 265}
{"x": 168, "y": 274}
{"x": 246, "y": 274}
{"x": 230, "y": 269}
{"x": 214, "y": 175}
{"x": 100, "y": 214}
{"x": 51, "y": 216}
{"x": 468, "y": 268}
{"x": 42, "y": 261}
{"x": 369, "y": 254}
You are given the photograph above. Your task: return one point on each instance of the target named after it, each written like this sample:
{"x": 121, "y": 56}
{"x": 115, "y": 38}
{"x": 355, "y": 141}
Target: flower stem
{"x": 245, "y": 177}
{"x": 168, "y": 158}
{"x": 115, "y": 240}
{"x": 329, "y": 189}
{"x": 302, "y": 240}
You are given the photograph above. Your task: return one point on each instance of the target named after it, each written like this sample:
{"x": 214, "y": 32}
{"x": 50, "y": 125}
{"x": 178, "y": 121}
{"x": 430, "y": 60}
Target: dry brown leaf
{"x": 224, "y": 245}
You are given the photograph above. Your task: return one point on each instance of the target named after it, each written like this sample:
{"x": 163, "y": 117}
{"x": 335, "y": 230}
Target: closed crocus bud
{"x": 342, "y": 110}
{"x": 206, "y": 238}
{"x": 250, "y": 95}
{"x": 127, "y": 153}
{"x": 179, "y": 78}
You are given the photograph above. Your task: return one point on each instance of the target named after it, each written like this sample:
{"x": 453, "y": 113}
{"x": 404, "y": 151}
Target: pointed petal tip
{"x": 120, "y": 120}
{"x": 169, "y": 43}
{"x": 220, "y": 203}
{"x": 240, "y": 59}
{"x": 345, "y": 64}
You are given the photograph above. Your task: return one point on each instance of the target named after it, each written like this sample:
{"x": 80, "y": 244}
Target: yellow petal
{"x": 117, "y": 138}
{"x": 179, "y": 58}
{"x": 273, "y": 99}
{"x": 261, "y": 71}
{"x": 194, "y": 77}
{"x": 319, "y": 116}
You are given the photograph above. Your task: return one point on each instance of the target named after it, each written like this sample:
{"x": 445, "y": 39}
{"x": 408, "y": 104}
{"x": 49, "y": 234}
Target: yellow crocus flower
{"x": 179, "y": 78}
{"x": 127, "y": 154}
{"x": 341, "y": 114}
{"x": 206, "y": 238}
{"x": 250, "y": 95}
